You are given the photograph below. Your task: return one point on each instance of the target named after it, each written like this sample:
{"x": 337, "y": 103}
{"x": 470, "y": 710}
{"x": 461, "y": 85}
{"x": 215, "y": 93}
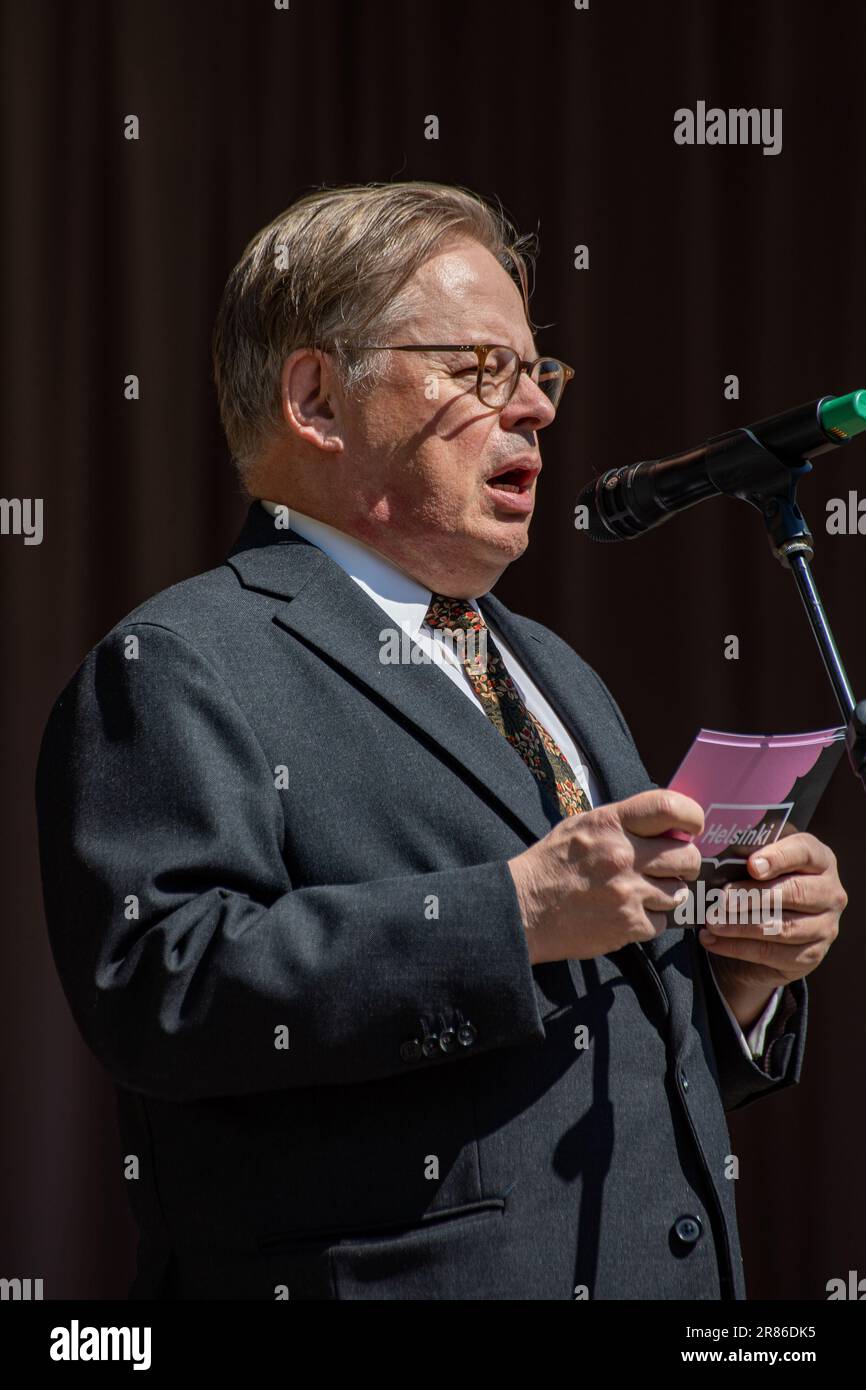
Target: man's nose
{"x": 528, "y": 406}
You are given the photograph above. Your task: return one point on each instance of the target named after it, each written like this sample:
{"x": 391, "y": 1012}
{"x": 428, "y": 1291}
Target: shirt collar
{"x": 404, "y": 600}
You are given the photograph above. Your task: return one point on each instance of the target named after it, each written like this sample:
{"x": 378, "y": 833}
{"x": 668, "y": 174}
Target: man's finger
{"x": 790, "y": 961}
{"x": 802, "y": 892}
{"x": 661, "y": 857}
{"x": 655, "y": 812}
{"x": 801, "y": 853}
{"x": 664, "y": 894}
{"x": 789, "y": 928}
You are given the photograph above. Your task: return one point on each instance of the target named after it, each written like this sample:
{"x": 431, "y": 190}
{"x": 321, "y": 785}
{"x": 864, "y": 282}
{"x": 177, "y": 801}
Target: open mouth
{"x": 518, "y": 479}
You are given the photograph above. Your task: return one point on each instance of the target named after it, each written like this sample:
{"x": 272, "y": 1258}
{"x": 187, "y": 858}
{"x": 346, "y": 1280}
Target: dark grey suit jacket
{"x": 277, "y": 895}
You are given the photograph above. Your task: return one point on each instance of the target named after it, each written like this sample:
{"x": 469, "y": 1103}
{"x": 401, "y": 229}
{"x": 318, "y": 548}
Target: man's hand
{"x": 600, "y": 880}
{"x": 751, "y": 959}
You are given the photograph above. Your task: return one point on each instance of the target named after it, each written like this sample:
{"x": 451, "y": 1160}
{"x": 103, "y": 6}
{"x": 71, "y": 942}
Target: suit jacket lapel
{"x": 323, "y": 607}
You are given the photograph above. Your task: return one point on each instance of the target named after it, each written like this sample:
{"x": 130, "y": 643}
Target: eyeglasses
{"x": 498, "y": 369}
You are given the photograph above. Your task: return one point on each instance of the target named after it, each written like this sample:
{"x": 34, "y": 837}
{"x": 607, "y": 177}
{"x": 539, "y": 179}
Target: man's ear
{"x": 306, "y": 388}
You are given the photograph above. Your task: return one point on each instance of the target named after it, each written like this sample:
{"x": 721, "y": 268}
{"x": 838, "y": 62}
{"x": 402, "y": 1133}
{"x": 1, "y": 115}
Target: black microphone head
{"x": 625, "y": 502}
{"x": 607, "y": 516}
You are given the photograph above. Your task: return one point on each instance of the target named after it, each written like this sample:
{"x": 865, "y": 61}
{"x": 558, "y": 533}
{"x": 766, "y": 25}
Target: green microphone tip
{"x": 844, "y": 416}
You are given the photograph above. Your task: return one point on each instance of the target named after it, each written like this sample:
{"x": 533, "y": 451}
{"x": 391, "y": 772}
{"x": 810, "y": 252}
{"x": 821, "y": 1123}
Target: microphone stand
{"x": 753, "y": 473}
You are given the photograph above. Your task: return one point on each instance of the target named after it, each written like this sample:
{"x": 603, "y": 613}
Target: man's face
{"x": 418, "y": 452}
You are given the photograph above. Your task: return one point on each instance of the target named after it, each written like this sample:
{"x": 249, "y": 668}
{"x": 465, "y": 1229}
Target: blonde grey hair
{"x": 331, "y": 272}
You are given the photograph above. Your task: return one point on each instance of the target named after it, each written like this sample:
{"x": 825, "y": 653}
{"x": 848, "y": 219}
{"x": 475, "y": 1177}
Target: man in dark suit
{"x": 355, "y": 880}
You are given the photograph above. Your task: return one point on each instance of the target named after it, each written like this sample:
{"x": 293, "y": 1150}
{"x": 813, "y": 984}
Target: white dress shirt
{"x": 406, "y": 601}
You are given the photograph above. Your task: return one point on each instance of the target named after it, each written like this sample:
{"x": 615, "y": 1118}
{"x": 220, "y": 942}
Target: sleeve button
{"x": 448, "y": 1040}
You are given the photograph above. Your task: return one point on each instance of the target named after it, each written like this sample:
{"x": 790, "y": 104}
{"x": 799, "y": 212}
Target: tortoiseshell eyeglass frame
{"x": 482, "y": 351}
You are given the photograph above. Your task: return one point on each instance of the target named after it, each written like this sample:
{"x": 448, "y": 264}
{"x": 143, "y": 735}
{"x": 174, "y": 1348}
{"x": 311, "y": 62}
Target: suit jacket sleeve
{"x": 741, "y": 1080}
{"x": 183, "y": 947}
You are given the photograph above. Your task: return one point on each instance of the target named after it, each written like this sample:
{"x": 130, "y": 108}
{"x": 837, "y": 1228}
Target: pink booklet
{"x": 754, "y": 788}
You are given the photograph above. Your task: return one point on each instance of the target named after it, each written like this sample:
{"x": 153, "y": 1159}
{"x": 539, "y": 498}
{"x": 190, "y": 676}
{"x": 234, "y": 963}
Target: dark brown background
{"x": 703, "y": 261}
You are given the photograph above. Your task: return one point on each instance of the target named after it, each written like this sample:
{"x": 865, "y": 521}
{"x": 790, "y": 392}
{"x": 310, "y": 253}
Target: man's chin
{"x": 497, "y": 547}
{"x": 509, "y": 535}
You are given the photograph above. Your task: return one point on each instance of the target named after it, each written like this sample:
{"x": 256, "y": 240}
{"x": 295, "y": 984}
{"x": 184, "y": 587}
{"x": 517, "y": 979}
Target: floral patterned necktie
{"x": 504, "y": 705}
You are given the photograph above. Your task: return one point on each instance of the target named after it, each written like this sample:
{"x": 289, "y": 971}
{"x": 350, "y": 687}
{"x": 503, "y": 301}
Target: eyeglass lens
{"x": 498, "y": 378}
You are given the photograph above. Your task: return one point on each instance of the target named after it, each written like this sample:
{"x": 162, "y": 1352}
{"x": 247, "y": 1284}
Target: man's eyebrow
{"x": 506, "y": 340}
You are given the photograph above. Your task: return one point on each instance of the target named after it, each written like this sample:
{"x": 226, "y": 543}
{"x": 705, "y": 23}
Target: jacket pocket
{"x": 457, "y": 1253}
{"x": 344, "y": 1235}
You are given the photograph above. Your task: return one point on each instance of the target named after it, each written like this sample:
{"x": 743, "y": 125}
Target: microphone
{"x": 625, "y": 502}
